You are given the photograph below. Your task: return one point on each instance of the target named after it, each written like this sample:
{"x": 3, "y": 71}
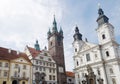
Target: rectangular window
{"x": 53, "y": 70}
{"x": 6, "y": 64}
{"x": 5, "y": 73}
{"x": 88, "y": 57}
{"x": 16, "y": 65}
{"x": 24, "y": 66}
{"x": 50, "y": 70}
{"x": 36, "y": 61}
{"x": 50, "y": 77}
{"x": 36, "y": 68}
{"x": 53, "y": 77}
{"x": 0, "y": 64}
{"x": 0, "y": 72}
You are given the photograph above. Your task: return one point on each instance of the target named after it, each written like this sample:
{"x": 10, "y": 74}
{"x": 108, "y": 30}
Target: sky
{"x": 22, "y": 22}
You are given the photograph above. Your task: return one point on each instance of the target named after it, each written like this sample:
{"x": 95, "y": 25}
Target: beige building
{"x": 70, "y": 77}
{"x": 15, "y": 67}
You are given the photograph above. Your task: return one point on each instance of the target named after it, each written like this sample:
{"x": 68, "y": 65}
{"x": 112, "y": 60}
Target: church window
{"x": 107, "y": 54}
{"x": 113, "y": 81}
{"x": 111, "y": 71}
{"x": 77, "y": 63}
{"x": 103, "y": 36}
{"x": 88, "y": 57}
{"x": 81, "y": 60}
{"x": 75, "y": 49}
{"x": 96, "y": 56}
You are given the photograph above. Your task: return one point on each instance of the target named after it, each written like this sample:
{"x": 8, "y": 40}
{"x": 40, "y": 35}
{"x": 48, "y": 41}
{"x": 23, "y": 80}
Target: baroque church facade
{"x": 97, "y": 61}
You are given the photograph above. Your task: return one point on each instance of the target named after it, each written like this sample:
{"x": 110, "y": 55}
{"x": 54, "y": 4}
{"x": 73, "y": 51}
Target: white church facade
{"x": 103, "y": 58}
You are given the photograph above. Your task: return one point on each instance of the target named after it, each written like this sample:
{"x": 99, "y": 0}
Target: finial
{"x": 99, "y": 6}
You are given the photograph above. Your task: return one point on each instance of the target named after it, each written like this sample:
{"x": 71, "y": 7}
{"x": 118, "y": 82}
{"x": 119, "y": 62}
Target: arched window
{"x": 75, "y": 49}
{"x": 77, "y": 63}
{"x": 111, "y": 71}
{"x": 107, "y": 54}
{"x": 4, "y": 82}
{"x": 103, "y": 36}
{"x": 88, "y": 57}
{"x": 23, "y": 82}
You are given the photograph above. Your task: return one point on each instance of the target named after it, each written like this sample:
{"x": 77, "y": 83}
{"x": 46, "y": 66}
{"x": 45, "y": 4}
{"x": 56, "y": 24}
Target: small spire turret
{"x": 102, "y": 18}
{"x": 61, "y": 31}
{"x": 54, "y": 29}
{"x": 37, "y": 47}
{"x": 77, "y": 35}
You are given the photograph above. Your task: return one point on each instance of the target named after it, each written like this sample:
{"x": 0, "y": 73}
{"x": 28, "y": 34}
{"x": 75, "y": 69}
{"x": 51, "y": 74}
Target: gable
{"x": 87, "y": 46}
{"x": 21, "y": 60}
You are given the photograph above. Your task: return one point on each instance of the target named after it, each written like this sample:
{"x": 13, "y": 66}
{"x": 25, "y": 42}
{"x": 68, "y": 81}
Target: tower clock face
{"x": 61, "y": 69}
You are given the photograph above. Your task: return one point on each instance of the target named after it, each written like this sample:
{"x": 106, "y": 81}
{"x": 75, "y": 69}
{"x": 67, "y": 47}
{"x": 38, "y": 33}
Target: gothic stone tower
{"x": 56, "y": 49}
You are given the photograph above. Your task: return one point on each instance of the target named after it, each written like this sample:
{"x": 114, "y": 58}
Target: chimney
{"x": 9, "y": 50}
{"x": 18, "y": 52}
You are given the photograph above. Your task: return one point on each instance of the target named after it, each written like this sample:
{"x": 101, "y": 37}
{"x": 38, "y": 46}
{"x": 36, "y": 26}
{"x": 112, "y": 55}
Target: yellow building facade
{"x": 15, "y": 67}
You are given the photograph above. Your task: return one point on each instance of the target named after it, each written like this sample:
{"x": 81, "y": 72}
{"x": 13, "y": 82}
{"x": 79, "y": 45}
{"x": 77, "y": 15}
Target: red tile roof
{"x": 6, "y": 55}
{"x": 33, "y": 51}
{"x": 70, "y": 74}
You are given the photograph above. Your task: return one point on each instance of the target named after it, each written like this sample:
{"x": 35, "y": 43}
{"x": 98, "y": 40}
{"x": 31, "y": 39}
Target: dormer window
{"x": 103, "y": 36}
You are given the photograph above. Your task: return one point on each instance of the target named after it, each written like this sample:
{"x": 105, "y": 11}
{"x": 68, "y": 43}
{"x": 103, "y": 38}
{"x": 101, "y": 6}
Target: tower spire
{"x": 54, "y": 25}
{"x": 101, "y": 18}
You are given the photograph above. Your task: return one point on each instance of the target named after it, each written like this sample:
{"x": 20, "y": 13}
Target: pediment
{"x": 87, "y": 46}
{"x": 21, "y": 60}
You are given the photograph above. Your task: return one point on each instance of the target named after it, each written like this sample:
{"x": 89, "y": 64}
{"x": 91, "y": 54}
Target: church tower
{"x": 105, "y": 30}
{"x": 56, "y": 49}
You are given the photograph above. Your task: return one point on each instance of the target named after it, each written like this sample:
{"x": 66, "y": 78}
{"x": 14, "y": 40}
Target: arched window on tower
{"x": 107, "y": 54}
{"x": 77, "y": 63}
{"x": 75, "y": 49}
{"x": 103, "y": 36}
